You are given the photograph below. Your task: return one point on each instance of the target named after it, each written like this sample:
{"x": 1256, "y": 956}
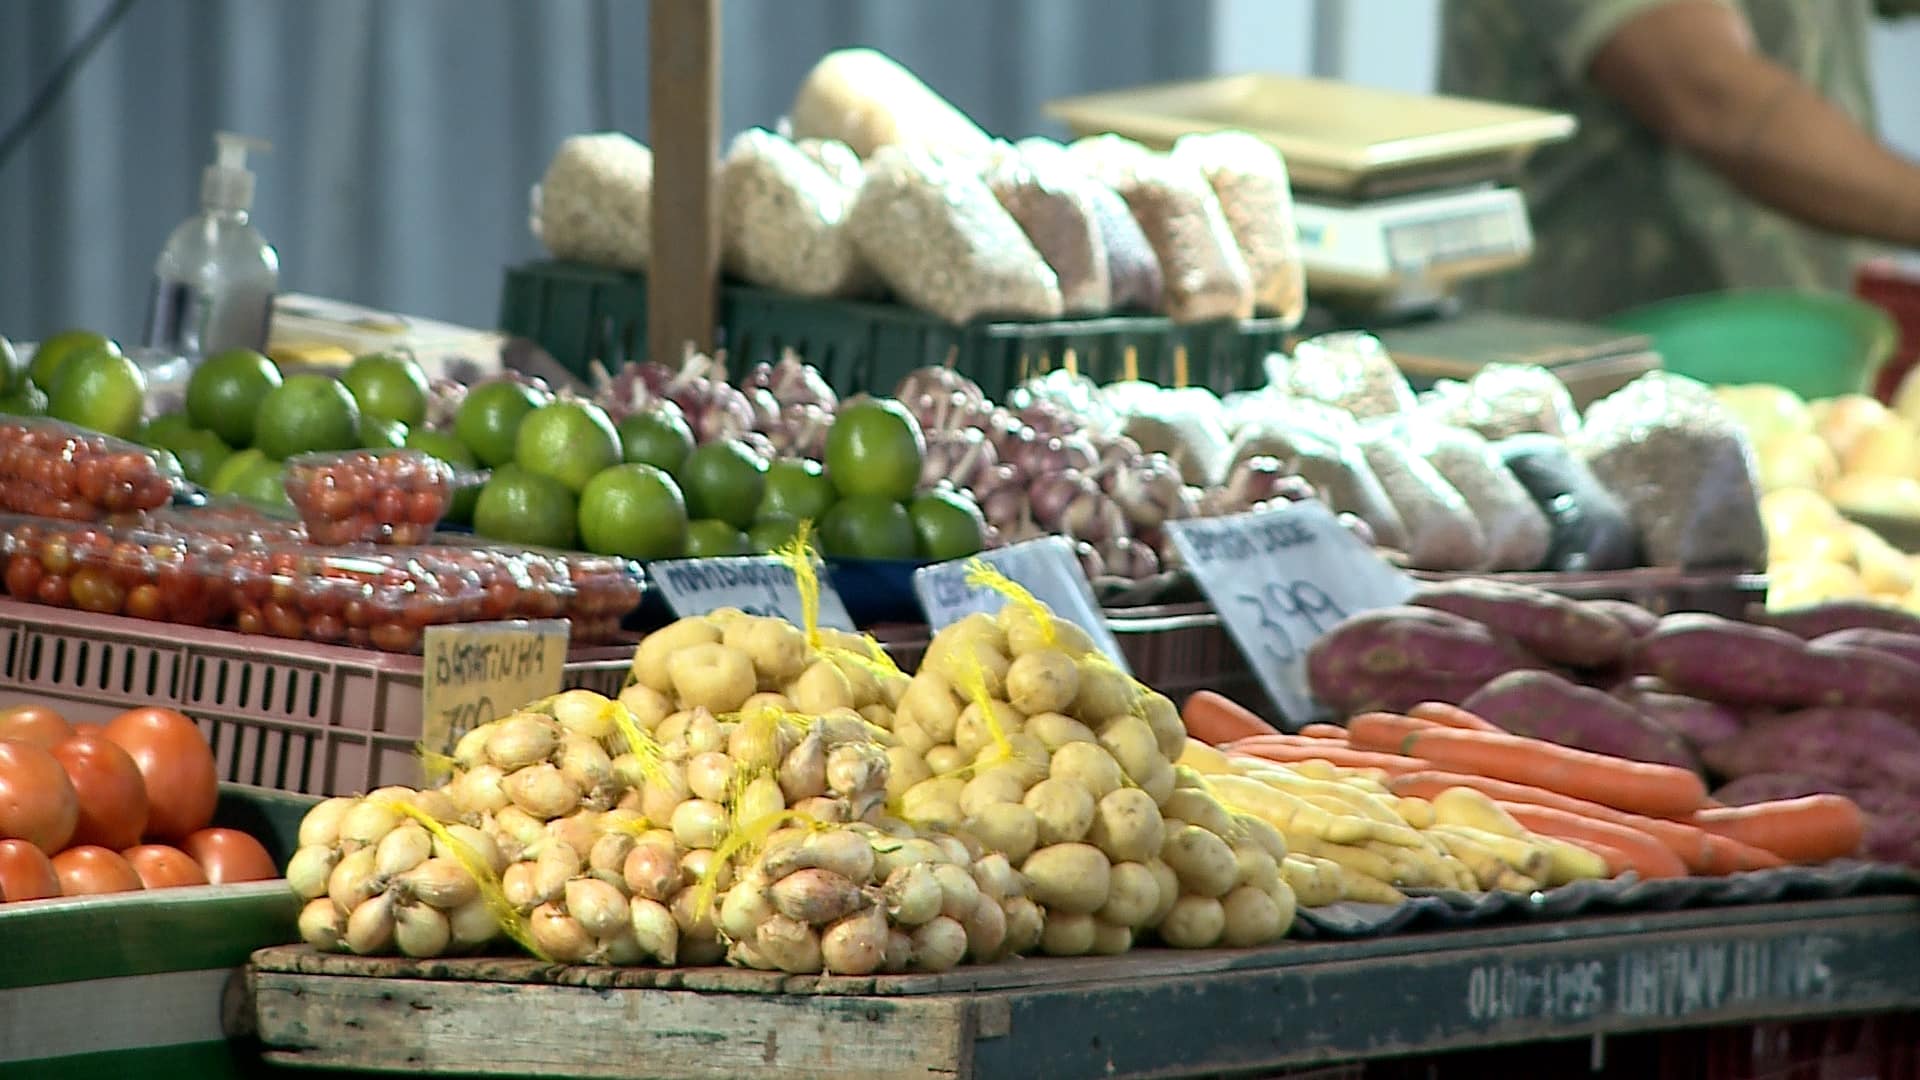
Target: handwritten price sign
{"x": 1046, "y": 567}
{"x": 756, "y": 584}
{"x": 472, "y": 673}
{"x": 1281, "y": 579}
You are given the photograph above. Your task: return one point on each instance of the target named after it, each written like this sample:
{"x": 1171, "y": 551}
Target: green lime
{"x": 570, "y": 441}
{"x": 724, "y": 480}
{"x": 305, "y": 413}
{"x": 711, "y": 539}
{"x": 378, "y": 434}
{"x": 868, "y": 527}
{"x": 797, "y": 488}
{"x": 771, "y": 533}
{"x": 100, "y": 390}
{"x": 263, "y": 481}
{"x": 523, "y": 507}
{"x": 201, "y": 454}
{"x": 13, "y": 371}
{"x": 659, "y": 437}
{"x": 455, "y": 453}
{"x": 875, "y": 448}
{"x": 949, "y": 525}
{"x": 389, "y": 386}
{"x": 489, "y": 419}
{"x": 633, "y": 510}
{"x": 25, "y": 400}
{"x": 225, "y": 392}
{"x": 226, "y": 478}
{"x": 163, "y": 429}
{"x": 52, "y": 354}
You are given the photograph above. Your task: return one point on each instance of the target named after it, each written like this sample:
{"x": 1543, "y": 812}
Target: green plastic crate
{"x": 137, "y": 984}
{"x": 581, "y": 314}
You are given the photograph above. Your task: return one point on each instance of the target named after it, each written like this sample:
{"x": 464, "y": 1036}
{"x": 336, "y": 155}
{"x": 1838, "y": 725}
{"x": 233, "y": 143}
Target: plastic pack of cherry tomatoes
{"x": 371, "y": 496}
{"x": 56, "y": 470}
{"x": 142, "y": 573}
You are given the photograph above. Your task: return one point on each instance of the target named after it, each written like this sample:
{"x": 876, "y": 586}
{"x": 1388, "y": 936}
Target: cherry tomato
{"x": 37, "y": 724}
{"x": 145, "y": 602}
{"x": 108, "y": 787}
{"x": 23, "y": 576}
{"x": 229, "y": 855}
{"x": 26, "y": 873}
{"x": 177, "y": 764}
{"x": 53, "y": 590}
{"x": 94, "y": 589}
{"x": 89, "y": 869}
{"x": 163, "y": 867}
{"x": 37, "y": 802}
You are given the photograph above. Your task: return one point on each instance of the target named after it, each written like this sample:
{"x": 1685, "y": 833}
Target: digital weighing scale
{"x": 1399, "y": 198}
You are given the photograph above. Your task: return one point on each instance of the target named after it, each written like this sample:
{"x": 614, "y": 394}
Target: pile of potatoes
{"x": 1017, "y": 733}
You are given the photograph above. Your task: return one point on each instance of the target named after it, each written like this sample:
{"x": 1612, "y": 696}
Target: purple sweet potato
{"x": 1700, "y": 723}
{"x": 1891, "y": 642}
{"x": 1376, "y": 659}
{"x": 1849, "y": 746}
{"x": 1552, "y": 627}
{"x": 1843, "y": 674}
{"x": 1733, "y": 663}
{"x": 1542, "y": 705}
{"x": 1638, "y": 620}
{"x": 1819, "y": 620}
{"x": 1767, "y": 787}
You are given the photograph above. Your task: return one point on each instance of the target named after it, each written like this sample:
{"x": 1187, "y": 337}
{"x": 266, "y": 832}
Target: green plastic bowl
{"x": 1815, "y": 344}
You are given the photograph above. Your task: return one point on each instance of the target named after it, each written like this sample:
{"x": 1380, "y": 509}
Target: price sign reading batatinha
{"x": 756, "y": 584}
{"x": 1281, "y": 579}
{"x": 472, "y": 673}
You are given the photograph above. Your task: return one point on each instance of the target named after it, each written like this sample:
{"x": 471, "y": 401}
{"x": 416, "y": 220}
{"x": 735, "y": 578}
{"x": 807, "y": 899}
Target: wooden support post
{"x": 683, "y": 76}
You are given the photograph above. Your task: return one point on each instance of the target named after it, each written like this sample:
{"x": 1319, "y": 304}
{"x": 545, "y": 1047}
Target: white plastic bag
{"x": 1250, "y": 178}
{"x": 782, "y": 220}
{"x": 595, "y": 203}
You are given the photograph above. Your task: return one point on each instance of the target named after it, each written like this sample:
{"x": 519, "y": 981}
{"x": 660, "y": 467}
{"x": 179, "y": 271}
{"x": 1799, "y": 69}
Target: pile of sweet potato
{"x": 1826, "y": 699}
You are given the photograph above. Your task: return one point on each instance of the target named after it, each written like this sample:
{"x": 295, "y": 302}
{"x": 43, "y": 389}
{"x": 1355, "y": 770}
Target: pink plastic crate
{"x": 288, "y": 715}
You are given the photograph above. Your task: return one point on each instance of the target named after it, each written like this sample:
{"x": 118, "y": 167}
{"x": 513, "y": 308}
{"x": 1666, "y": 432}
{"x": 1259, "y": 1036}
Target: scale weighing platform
{"x": 1400, "y": 198}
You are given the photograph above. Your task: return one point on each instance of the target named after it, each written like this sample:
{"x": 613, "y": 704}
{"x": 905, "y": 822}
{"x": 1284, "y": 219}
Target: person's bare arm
{"x": 1689, "y": 70}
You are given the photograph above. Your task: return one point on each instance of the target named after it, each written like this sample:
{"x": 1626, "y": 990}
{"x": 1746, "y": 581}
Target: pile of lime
{"x": 77, "y": 376}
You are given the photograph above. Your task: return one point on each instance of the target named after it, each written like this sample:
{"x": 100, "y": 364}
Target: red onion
{"x": 1129, "y": 558}
{"x": 1149, "y": 490}
{"x": 800, "y": 430}
{"x": 1090, "y": 560}
{"x": 1050, "y": 418}
{"x": 1051, "y": 495}
{"x": 1092, "y": 516}
{"x": 964, "y": 457}
{"x": 937, "y": 382}
{"x": 1361, "y": 531}
{"x": 791, "y": 382}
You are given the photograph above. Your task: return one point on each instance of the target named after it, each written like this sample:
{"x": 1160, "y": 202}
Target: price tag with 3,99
{"x": 1046, "y": 567}
{"x": 473, "y": 673}
{"x": 1281, "y": 579}
{"x": 756, "y": 584}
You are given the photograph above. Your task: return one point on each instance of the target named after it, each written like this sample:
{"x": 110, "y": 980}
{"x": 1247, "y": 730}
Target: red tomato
{"x": 37, "y": 802}
{"x": 163, "y": 867}
{"x": 90, "y": 869}
{"x": 112, "y": 795}
{"x": 229, "y": 855}
{"x": 176, "y": 763}
{"x": 25, "y": 872}
{"x": 36, "y": 724}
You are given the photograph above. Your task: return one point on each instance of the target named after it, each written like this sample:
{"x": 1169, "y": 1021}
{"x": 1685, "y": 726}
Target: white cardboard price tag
{"x": 756, "y": 584}
{"x": 1280, "y": 579}
{"x": 1046, "y": 567}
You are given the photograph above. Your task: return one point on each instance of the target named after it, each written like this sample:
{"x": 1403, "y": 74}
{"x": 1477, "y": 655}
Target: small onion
{"x": 789, "y": 944}
{"x": 322, "y": 926}
{"x": 939, "y": 944}
{"x": 655, "y": 930}
{"x": 401, "y": 850}
{"x": 478, "y": 792}
{"x": 472, "y": 925}
{"x": 899, "y": 955}
{"x": 366, "y": 824}
{"x": 559, "y": 935}
{"x": 421, "y": 931}
{"x": 543, "y": 791}
{"x": 803, "y": 773}
{"x": 521, "y": 740}
{"x": 815, "y": 897}
{"x": 477, "y": 843}
{"x": 913, "y": 895}
{"x": 709, "y": 774}
{"x": 308, "y": 870}
{"x": 439, "y": 883}
{"x": 986, "y": 927}
{"x": 517, "y": 883}
{"x": 598, "y": 907}
{"x": 855, "y": 945}
{"x": 352, "y": 881}
{"x": 321, "y": 825}
{"x": 370, "y": 926}
{"x": 696, "y": 865}
{"x": 652, "y": 870}
{"x": 699, "y": 823}
{"x": 557, "y": 864}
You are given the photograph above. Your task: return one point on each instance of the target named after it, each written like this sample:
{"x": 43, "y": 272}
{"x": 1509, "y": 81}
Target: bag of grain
{"x": 1133, "y": 270}
{"x": 594, "y": 204}
{"x": 1352, "y": 371}
{"x": 941, "y": 241}
{"x": 866, "y": 100}
{"x": 1250, "y": 178}
{"x": 1053, "y": 209}
{"x": 782, "y": 220}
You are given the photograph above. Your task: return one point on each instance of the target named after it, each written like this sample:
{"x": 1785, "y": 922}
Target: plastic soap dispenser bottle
{"x": 213, "y": 286}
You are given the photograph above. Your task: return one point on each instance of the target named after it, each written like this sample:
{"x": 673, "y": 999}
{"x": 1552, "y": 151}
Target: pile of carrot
{"x": 1654, "y": 820}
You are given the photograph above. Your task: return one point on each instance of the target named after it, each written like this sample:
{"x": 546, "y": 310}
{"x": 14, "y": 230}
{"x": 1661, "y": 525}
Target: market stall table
{"x": 1148, "y": 1013}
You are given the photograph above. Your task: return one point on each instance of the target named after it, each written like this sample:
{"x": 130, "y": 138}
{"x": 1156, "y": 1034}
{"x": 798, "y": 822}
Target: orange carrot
{"x": 1324, "y": 731}
{"x": 1810, "y": 829}
{"x": 1334, "y": 754}
{"x": 1453, "y": 716}
{"x": 1653, "y": 790}
{"x": 1214, "y": 719}
{"x": 1702, "y": 851}
{"x": 1384, "y": 731}
{"x": 1646, "y": 855}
